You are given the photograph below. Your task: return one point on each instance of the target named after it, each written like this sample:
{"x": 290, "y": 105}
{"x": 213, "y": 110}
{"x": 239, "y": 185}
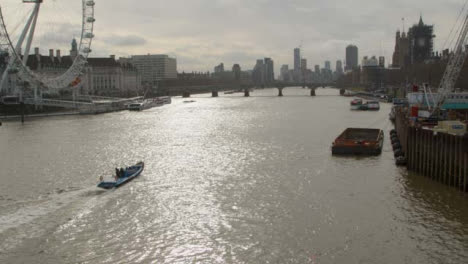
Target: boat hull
{"x": 356, "y": 150}
{"x": 133, "y": 172}
{"x": 358, "y": 141}
{"x": 355, "y": 107}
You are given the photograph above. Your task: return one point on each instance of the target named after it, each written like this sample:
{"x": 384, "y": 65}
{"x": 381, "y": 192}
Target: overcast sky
{"x": 203, "y": 33}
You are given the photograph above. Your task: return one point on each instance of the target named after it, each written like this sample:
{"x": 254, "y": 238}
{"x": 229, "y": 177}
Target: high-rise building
{"x": 263, "y": 72}
{"x": 370, "y": 62}
{"x": 219, "y": 68}
{"x": 258, "y": 74}
{"x": 327, "y": 65}
{"x": 236, "y": 70}
{"x": 269, "y": 71}
{"x": 154, "y": 68}
{"x": 285, "y": 72}
{"x": 382, "y": 61}
{"x": 297, "y": 59}
{"x": 421, "y": 39}
{"x": 317, "y": 69}
{"x": 339, "y": 67}
{"x": 303, "y": 65}
{"x": 351, "y": 57}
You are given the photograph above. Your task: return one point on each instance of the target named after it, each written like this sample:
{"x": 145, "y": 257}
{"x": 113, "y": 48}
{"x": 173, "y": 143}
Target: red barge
{"x": 359, "y": 141}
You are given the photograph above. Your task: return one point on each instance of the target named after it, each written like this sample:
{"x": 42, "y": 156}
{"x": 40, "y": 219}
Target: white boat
{"x": 373, "y": 105}
{"x": 136, "y": 106}
{"x": 149, "y": 103}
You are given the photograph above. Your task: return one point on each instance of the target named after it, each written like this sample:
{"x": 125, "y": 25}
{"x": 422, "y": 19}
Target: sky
{"x": 203, "y": 33}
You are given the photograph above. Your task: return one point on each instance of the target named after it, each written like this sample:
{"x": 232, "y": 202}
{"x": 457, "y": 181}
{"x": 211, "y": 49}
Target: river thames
{"x": 227, "y": 180}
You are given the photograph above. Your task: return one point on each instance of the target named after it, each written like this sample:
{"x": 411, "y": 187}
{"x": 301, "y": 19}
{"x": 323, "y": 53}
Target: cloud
{"x": 203, "y": 33}
{"x": 125, "y": 41}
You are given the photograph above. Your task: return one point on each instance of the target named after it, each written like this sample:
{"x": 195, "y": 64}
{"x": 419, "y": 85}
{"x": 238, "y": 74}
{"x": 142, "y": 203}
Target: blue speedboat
{"x": 128, "y": 174}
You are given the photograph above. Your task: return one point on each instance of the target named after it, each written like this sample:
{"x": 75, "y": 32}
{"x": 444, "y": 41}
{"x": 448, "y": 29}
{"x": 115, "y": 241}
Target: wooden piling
{"x": 459, "y": 155}
{"x": 425, "y": 153}
{"x": 465, "y": 164}
{"x": 411, "y": 147}
{"x": 433, "y": 156}
{"x": 439, "y": 156}
{"x": 421, "y": 153}
{"x": 446, "y": 158}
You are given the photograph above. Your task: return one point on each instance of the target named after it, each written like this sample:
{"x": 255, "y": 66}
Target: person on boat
{"x": 122, "y": 173}
{"x": 117, "y": 173}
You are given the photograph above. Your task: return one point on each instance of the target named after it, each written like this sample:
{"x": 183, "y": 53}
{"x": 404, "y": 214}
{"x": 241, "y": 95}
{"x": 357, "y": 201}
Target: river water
{"x": 227, "y": 180}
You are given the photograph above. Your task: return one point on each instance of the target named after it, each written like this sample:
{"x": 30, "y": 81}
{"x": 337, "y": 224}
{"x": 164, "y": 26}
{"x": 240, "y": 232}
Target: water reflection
{"x": 428, "y": 211}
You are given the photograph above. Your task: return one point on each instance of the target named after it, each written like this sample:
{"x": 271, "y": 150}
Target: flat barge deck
{"x": 359, "y": 141}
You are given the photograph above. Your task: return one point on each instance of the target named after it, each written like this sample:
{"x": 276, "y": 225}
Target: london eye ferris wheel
{"x": 39, "y": 23}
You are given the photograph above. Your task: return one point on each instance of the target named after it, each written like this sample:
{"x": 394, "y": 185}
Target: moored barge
{"x": 359, "y": 141}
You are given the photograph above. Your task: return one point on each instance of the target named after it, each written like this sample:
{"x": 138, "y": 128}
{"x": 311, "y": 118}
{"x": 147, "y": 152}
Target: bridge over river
{"x": 186, "y": 91}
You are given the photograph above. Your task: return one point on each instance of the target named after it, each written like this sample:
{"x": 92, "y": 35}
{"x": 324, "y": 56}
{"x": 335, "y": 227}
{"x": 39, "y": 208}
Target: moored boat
{"x": 359, "y": 141}
{"x": 356, "y": 104}
{"x": 136, "y": 106}
{"x": 127, "y": 175}
{"x": 373, "y": 105}
{"x": 149, "y": 103}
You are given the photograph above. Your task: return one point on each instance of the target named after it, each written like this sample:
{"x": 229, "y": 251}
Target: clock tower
{"x": 421, "y": 39}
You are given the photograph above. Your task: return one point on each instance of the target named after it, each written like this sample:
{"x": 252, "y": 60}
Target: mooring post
{"x": 280, "y": 91}
{"x": 214, "y": 94}
{"x": 312, "y": 92}
{"x": 246, "y": 92}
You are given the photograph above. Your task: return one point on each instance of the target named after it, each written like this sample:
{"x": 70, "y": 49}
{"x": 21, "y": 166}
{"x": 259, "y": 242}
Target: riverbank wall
{"x": 439, "y": 156}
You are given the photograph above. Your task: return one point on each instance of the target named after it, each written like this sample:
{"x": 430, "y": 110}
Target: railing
{"x": 56, "y": 103}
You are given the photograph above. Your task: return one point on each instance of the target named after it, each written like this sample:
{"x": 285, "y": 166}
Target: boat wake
{"x": 31, "y": 212}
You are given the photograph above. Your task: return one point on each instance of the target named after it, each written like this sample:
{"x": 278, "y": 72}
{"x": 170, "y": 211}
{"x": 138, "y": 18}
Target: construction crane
{"x": 454, "y": 66}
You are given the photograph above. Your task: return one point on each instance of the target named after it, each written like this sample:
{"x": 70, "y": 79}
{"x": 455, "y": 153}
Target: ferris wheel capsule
{"x": 90, "y": 3}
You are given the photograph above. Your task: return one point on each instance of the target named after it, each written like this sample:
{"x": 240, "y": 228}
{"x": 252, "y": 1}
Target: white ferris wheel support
{"x": 18, "y": 64}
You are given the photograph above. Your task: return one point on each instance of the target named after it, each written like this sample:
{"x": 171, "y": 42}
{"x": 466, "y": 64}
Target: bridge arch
{"x": 311, "y": 87}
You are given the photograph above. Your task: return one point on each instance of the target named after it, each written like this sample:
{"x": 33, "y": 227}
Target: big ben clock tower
{"x": 421, "y": 42}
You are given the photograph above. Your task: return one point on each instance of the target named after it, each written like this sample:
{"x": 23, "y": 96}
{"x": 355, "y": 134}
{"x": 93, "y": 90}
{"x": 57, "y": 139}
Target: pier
{"x": 440, "y": 156}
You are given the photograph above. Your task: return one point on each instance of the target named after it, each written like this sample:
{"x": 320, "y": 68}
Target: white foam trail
{"x": 28, "y": 214}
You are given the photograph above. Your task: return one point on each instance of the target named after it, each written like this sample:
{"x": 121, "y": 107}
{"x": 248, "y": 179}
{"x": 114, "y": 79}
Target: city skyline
{"x": 205, "y": 33}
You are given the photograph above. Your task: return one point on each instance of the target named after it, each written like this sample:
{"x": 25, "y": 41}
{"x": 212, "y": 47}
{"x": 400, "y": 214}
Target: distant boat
{"x": 356, "y": 104}
{"x": 149, "y": 103}
{"x": 373, "y": 105}
{"x": 129, "y": 174}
